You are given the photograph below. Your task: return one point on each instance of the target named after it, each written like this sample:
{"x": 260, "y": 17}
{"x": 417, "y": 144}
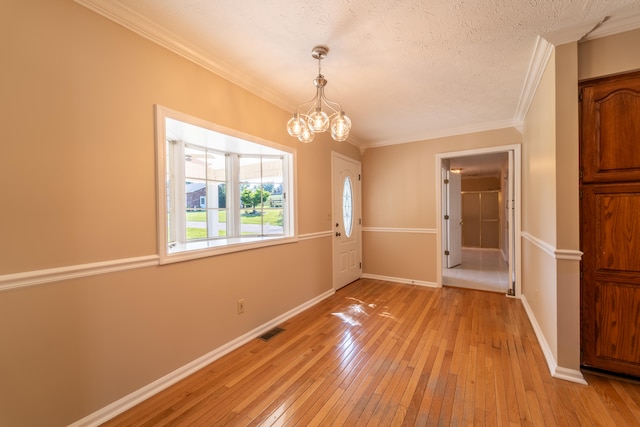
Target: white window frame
{"x": 235, "y": 143}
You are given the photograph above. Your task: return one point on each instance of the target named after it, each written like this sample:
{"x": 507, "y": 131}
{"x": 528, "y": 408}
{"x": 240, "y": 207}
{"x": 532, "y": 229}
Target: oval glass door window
{"x": 347, "y": 207}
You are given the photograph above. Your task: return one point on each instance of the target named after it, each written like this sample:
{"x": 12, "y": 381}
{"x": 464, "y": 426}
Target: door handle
{"x": 338, "y": 234}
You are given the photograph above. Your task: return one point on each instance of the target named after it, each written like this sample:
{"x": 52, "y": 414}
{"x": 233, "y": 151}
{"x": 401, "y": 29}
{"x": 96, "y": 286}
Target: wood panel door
{"x": 610, "y": 224}
{"x": 610, "y": 130}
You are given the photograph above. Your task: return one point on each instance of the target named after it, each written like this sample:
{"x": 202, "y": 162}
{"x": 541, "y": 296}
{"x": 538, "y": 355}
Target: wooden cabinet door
{"x": 610, "y": 291}
{"x": 610, "y": 224}
{"x": 610, "y": 129}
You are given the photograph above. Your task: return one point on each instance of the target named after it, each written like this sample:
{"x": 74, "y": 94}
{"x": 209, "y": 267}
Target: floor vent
{"x": 270, "y": 334}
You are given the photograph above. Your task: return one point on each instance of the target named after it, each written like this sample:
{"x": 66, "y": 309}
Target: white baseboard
{"x": 556, "y": 371}
{"x": 572, "y": 375}
{"x": 140, "y": 395}
{"x": 401, "y": 280}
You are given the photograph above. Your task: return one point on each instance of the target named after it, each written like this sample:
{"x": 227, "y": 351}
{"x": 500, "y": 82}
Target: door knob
{"x": 338, "y": 234}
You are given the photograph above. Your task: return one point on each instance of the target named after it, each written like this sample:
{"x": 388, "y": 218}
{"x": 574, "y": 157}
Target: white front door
{"x": 347, "y": 223}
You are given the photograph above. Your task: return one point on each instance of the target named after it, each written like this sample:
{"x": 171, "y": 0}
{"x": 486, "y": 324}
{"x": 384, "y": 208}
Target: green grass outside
{"x": 270, "y": 216}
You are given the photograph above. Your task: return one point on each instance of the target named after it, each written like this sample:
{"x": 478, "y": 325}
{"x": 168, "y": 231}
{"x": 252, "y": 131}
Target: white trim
{"x": 566, "y": 374}
{"x": 132, "y": 399}
{"x": 546, "y": 247}
{"x": 541, "y": 54}
{"x": 400, "y": 230}
{"x": 317, "y": 235}
{"x": 517, "y": 172}
{"x": 482, "y": 127}
{"x": 555, "y": 370}
{"x": 564, "y": 254}
{"x": 38, "y": 277}
{"x": 568, "y": 254}
{"x": 401, "y": 280}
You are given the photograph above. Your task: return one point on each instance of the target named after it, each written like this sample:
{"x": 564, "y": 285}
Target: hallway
{"x": 482, "y": 269}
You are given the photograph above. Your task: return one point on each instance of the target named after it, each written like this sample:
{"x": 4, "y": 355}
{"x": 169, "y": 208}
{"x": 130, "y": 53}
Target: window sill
{"x": 203, "y": 249}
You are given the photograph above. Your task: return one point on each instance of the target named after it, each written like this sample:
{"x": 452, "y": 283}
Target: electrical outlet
{"x": 241, "y": 306}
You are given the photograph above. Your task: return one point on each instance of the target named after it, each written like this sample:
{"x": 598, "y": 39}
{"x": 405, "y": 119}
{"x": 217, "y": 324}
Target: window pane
{"x": 251, "y": 222}
{"x": 347, "y": 207}
{"x": 216, "y": 166}
{"x": 217, "y": 223}
{"x": 272, "y": 169}
{"x": 196, "y": 224}
{"x": 194, "y": 163}
{"x": 250, "y": 170}
{"x": 273, "y": 220}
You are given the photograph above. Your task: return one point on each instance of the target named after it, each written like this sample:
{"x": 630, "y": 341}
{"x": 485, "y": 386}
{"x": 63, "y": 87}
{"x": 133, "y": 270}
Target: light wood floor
{"x": 379, "y": 353}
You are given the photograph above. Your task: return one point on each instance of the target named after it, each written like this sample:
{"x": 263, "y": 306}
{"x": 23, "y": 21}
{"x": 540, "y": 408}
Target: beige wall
{"x": 609, "y": 55}
{"x": 399, "y": 193}
{"x": 78, "y": 187}
{"x": 538, "y": 165}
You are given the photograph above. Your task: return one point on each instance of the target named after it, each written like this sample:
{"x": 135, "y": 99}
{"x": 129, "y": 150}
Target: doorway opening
{"x": 479, "y": 219}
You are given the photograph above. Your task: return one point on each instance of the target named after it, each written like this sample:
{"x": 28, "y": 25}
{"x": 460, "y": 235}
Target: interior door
{"x": 610, "y": 224}
{"x": 453, "y": 219}
{"x": 510, "y": 218}
{"x": 347, "y": 246}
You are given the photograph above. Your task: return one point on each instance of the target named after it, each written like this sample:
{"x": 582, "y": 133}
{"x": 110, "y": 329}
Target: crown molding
{"x": 139, "y": 24}
{"x": 545, "y": 45}
{"x": 539, "y": 59}
{"x": 463, "y": 130}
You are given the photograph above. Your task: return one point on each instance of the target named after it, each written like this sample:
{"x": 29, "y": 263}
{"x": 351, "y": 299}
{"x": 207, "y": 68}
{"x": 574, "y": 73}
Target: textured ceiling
{"x": 403, "y": 70}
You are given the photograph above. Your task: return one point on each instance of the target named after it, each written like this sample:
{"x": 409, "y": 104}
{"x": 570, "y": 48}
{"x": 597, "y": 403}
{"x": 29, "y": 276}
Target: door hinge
{"x": 446, "y": 181}
{"x": 446, "y": 217}
{"x": 359, "y": 177}
{"x": 446, "y": 253}
{"x": 360, "y": 266}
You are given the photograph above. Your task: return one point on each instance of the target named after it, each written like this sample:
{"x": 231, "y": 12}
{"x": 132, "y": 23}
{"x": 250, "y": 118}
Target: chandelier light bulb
{"x": 340, "y": 127}
{"x": 295, "y": 125}
{"x": 306, "y": 135}
{"x": 318, "y": 120}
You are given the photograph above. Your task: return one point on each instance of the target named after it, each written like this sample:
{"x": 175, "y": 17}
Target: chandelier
{"x": 319, "y": 114}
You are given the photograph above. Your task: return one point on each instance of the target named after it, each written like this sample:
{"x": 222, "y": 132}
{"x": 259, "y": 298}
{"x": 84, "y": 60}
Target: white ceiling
{"x": 403, "y": 70}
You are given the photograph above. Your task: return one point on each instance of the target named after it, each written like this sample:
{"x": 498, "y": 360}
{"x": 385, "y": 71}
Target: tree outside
{"x": 254, "y": 198}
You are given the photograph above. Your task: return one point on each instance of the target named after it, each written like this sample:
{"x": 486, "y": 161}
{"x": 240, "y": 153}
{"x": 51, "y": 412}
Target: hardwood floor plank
{"x": 384, "y": 354}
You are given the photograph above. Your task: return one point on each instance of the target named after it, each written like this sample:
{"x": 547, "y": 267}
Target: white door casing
{"x": 454, "y": 221}
{"x": 514, "y": 214}
{"x": 511, "y": 218}
{"x": 347, "y": 222}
